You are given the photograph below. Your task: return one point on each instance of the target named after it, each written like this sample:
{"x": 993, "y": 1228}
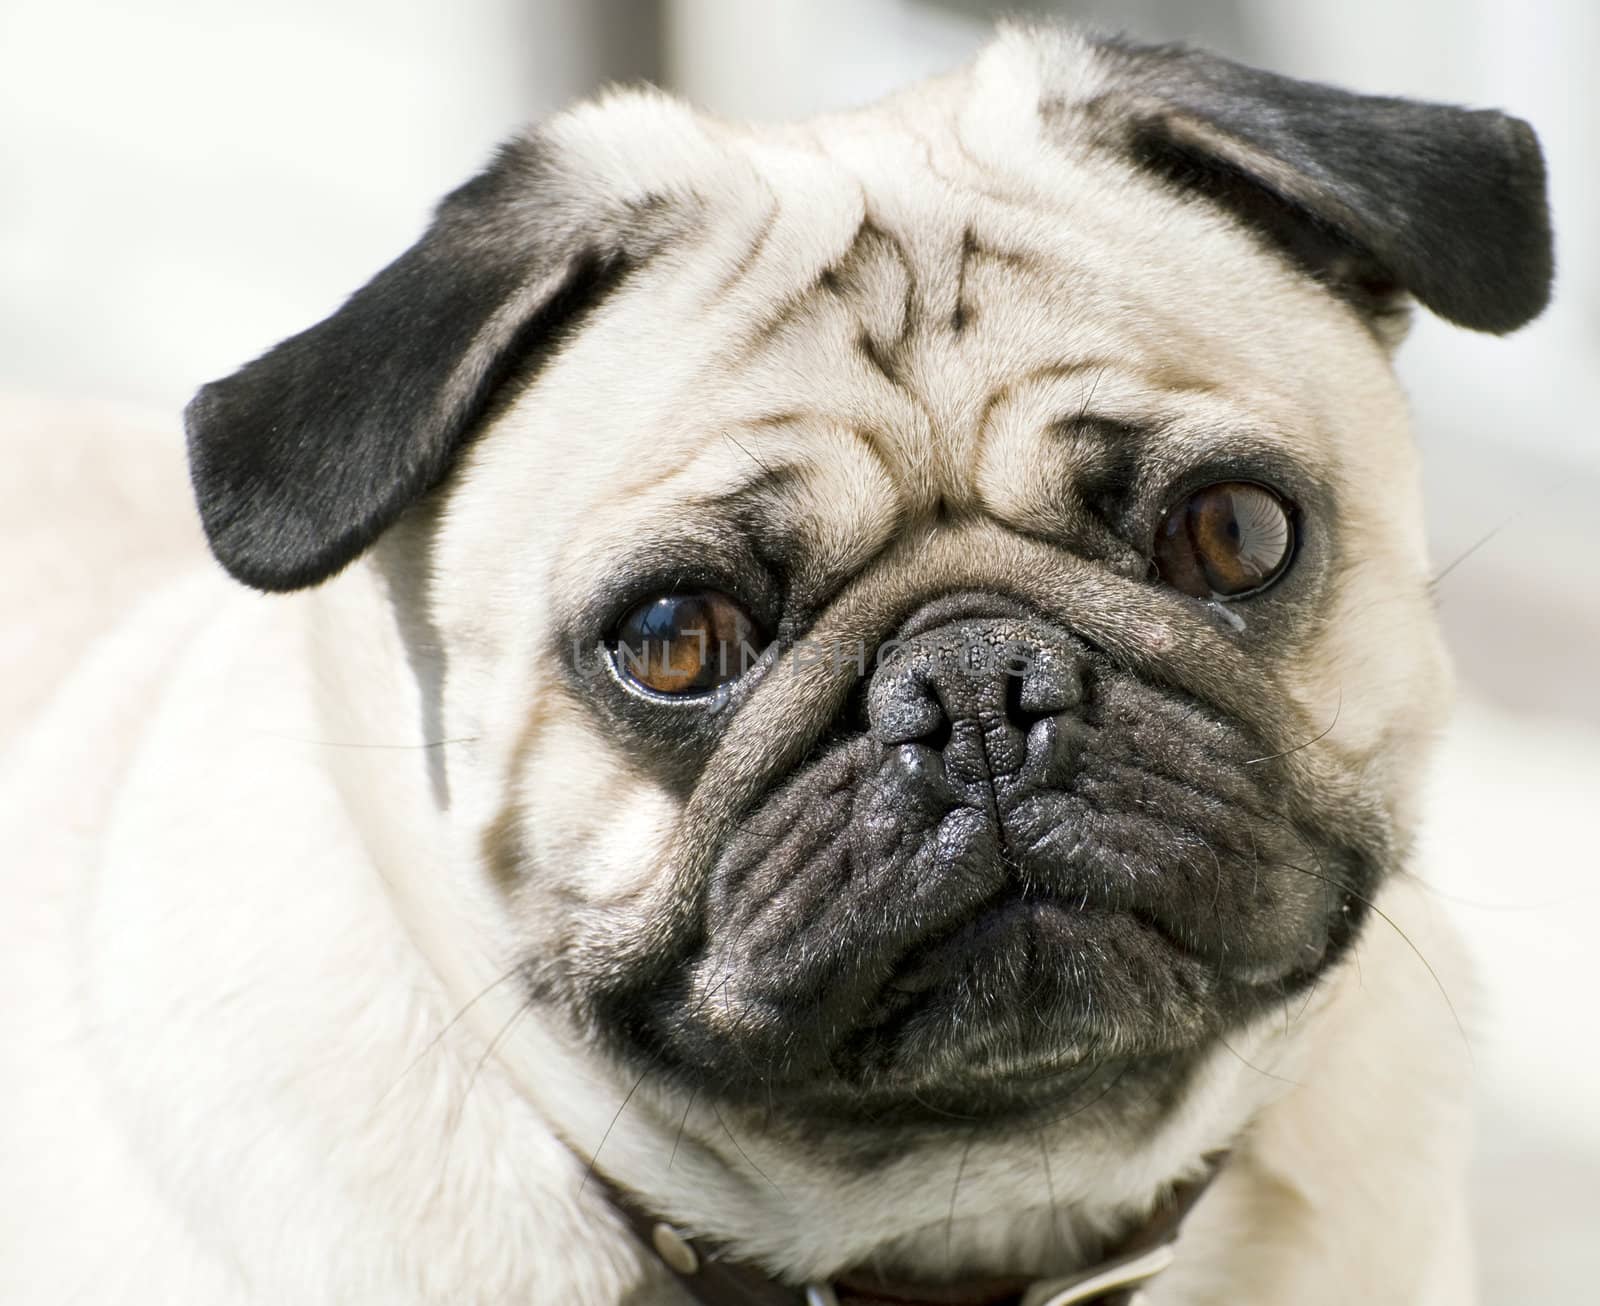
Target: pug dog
{"x": 849, "y": 730}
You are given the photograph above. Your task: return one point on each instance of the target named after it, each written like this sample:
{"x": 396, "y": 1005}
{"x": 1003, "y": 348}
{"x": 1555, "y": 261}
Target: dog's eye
{"x": 1226, "y": 541}
{"x": 683, "y": 644}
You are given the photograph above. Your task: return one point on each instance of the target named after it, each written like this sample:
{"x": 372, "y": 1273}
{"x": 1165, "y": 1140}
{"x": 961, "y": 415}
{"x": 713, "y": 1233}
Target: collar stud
{"x": 676, "y": 1250}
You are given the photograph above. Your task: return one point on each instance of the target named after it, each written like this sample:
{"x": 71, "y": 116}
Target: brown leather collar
{"x": 714, "y": 1280}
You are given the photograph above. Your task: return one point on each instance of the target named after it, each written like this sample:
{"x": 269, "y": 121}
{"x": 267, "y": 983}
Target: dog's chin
{"x": 1034, "y": 1004}
{"x": 1032, "y": 1010}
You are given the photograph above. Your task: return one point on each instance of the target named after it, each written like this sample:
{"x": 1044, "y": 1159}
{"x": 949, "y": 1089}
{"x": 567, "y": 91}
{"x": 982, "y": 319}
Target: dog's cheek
{"x": 1376, "y": 671}
{"x": 577, "y": 826}
{"x": 1375, "y": 685}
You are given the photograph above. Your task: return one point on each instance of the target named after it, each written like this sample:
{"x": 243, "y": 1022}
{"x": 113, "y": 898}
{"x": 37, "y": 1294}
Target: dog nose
{"x": 973, "y": 690}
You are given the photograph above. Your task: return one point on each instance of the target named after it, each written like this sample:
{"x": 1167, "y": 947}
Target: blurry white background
{"x": 183, "y": 183}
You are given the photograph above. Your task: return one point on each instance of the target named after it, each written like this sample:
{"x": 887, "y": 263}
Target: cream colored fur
{"x": 240, "y": 924}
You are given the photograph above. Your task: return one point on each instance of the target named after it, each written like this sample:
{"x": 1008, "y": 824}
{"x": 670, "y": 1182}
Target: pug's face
{"x": 936, "y": 598}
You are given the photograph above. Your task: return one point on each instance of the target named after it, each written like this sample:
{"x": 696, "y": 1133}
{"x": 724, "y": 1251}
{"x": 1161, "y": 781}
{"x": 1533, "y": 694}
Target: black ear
{"x": 300, "y": 459}
{"x": 1372, "y": 195}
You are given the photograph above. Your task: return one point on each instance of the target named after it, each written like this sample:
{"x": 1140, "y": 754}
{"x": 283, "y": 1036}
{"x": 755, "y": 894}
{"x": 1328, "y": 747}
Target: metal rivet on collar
{"x": 676, "y": 1250}
{"x": 820, "y": 1294}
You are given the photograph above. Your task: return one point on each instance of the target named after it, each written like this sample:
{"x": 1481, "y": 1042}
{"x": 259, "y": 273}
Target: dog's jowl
{"x": 849, "y": 724}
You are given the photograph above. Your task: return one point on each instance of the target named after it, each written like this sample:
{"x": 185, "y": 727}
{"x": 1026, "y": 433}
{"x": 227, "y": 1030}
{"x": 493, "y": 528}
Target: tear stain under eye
{"x": 1228, "y": 615}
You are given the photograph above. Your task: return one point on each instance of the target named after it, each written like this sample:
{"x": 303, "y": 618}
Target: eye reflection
{"x": 1225, "y": 541}
{"x": 680, "y": 645}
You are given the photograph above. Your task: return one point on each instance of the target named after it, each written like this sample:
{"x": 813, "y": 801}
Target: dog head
{"x": 930, "y": 606}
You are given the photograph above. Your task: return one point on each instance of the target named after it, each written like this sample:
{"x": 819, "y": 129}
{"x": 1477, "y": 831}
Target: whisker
{"x": 1050, "y": 1190}
{"x": 1311, "y": 992}
{"x": 594, "y": 1159}
{"x": 1406, "y": 938}
{"x": 450, "y": 1024}
{"x": 345, "y": 743}
{"x": 654, "y": 1061}
{"x": 1272, "y": 757}
{"x": 1088, "y": 399}
{"x": 682, "y": 1125}
{"x": 950, "y": 1218}
{"x": 929, "y": 1106}
{"x": 460, "y": 1114}
{"x": 730, "y": 438}
{"x": 747, "y": 1158}
{"x": 1103, "y": 1093}
{"x": 1461, "y": 557}
{"x": 1478, "y": 904}
{"x": 1243, "y": 1061}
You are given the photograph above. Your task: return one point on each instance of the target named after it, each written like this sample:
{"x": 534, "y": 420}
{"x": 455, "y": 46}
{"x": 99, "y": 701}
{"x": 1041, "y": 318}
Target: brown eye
{"x": 683, "y": 644}
{"x": 1228, "y": 540}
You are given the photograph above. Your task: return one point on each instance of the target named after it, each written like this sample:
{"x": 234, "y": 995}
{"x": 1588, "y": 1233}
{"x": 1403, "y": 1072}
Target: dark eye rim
{"x": 697, "y": 698}
{"x": 1209, "y": 480}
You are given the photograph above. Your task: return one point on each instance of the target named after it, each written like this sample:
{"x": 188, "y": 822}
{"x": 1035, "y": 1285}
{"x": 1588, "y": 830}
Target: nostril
{"x": 939, "y": 737}
{"x": 1025, "y": 705}
{"x": 1017, "y": 712}
{"x": 854, "y": 718}
{"x": 904, "y": 708}
{"x": 914, "y": 717}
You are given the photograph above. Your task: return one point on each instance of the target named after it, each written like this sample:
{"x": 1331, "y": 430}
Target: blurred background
{"x": 184, "y": 183}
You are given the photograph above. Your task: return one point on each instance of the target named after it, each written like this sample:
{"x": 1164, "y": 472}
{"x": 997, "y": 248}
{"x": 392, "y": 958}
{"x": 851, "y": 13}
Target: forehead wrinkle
{"x": 1066, "y": 483}
{"x": 933, "y": 450}
{"x": 872, "y": 442}
{"x": 812, "y": 521}
{"x": 1155, "y": 399}
{"x": 831, "y": 488}
{"x": 1014, "y": 227}
{"x": 765, "y": 483}
{"x": 747, "y": 261}
{"x": 722, "y": 467}
{"x": 880, "y": 262}
{"x": 650, "y": 485}
{"x": 821, "y": 237}
{"x": 1049, "y": 372}
{"x": 796, "y": 459}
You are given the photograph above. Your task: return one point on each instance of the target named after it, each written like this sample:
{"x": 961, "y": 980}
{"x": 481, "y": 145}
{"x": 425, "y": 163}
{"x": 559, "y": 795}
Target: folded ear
{"x": 1372, "y": 195}
{"x": 300, "y": 459}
